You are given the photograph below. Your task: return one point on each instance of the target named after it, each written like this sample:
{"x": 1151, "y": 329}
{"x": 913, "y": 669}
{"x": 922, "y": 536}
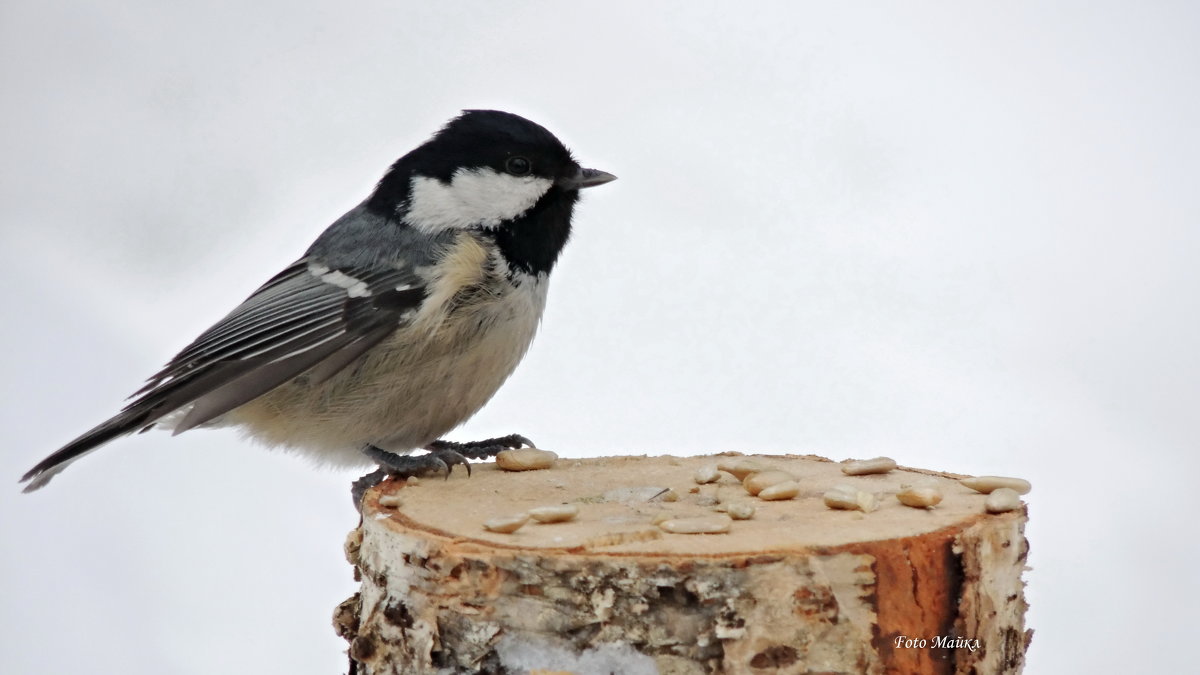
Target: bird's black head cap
{"x": 475, "y": 139}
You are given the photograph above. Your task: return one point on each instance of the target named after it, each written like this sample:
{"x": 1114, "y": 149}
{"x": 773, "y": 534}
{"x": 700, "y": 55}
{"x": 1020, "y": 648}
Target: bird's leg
{"x": 481, "y": 449}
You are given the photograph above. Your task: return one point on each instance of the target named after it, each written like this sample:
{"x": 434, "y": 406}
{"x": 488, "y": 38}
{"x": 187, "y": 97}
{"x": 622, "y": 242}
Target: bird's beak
{"x": 585, "y": 178}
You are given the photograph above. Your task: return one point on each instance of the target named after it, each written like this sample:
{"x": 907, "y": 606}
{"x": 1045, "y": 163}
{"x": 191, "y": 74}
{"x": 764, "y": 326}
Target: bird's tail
{"x": 124, "y": 423}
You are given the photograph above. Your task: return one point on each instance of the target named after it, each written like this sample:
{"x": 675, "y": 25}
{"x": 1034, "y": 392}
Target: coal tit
{"x": 399, "y": 323}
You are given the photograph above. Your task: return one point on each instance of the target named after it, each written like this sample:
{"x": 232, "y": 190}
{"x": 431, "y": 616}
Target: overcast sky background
{"x": 964, "y": 235}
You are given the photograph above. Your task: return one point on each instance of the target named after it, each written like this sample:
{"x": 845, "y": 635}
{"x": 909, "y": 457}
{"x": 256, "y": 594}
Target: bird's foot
{"x": 481, "y": 449}
{"x": 359, "y": 487}
{"x": 440, "y": 459}
{"x": 392, "y": 465}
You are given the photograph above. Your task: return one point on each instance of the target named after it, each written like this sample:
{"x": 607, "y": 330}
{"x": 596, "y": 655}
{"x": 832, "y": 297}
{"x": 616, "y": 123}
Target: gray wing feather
{"x": 294, "y": 323}
{"x": 339, "y": 350}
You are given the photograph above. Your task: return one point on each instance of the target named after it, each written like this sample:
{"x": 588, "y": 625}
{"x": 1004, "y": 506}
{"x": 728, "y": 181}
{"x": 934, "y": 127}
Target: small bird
{"x": 397, "y": 325}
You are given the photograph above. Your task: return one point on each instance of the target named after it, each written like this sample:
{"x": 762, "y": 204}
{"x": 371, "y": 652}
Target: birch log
{"x": 796, "y": 588}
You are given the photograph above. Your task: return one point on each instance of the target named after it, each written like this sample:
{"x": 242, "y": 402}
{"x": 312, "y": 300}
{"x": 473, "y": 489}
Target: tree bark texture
{"x": 797, "y": 588}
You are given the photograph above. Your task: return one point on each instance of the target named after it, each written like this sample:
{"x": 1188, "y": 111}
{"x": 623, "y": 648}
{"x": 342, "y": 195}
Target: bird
{"x": 397, "y": 324}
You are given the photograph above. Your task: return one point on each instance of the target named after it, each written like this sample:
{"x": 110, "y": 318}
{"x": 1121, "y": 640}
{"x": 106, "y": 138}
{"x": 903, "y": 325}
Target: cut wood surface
{"x": 796, "y": 588}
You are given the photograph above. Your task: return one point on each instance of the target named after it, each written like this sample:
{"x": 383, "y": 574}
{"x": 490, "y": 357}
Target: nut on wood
{"x": 525, "y": 459}
{"x": 757, "y": 482}
{"x": 919, "y": 497}
{"x": 988, "y": 484}
{"x": 714, "y": 524}
{"x": 1002, "y": 500}
{"x": 506, "y": 524}
{"x": 557, "y": 513}
{"x": 863, "y": 467}
{"x": 788, "y": 489}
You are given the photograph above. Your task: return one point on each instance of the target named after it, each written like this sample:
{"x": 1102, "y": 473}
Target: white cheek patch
{"x": 473, "y": 198}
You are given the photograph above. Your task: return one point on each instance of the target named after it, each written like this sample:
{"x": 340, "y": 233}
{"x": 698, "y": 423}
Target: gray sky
{"x": 960, "y": 234}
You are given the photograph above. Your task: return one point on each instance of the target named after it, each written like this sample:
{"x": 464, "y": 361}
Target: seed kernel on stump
{"x": 779, "y": 491}
{"x": 920, "y": 496}
{"x": 525, "y": 459}
{"x": 1002, "y": 500}
{"x": 988, "y": 484}
{"x": 866, "y": 467}
{"x": 757, "y": 482}
{"x": 555, "y": 513}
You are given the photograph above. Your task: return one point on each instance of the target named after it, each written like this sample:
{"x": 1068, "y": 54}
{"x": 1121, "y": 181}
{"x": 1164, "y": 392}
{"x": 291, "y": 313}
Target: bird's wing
{"x": 309, "y": 318}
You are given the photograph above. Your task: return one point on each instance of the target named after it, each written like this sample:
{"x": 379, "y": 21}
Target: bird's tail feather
{"x": 124, "y": 423}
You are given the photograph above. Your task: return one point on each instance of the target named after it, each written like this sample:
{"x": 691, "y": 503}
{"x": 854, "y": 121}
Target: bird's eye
{"x": 518, "y": 166}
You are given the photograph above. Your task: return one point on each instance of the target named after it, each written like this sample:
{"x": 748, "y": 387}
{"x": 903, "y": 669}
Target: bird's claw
{"x": 442, "y": 457}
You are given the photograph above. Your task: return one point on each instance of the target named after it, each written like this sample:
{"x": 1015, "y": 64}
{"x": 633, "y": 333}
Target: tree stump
{"x": 796, "y": 588}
